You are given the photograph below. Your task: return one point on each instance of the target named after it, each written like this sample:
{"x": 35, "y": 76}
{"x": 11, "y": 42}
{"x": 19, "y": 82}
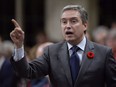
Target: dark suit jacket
{"x": 95, "y": 72}
{"x": 7, "y": 75}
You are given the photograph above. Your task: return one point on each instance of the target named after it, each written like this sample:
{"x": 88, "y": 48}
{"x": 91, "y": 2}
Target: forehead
{"x": 70, "y": 14}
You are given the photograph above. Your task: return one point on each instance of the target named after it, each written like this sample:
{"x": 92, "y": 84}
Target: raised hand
{"x": 17, "y": 35}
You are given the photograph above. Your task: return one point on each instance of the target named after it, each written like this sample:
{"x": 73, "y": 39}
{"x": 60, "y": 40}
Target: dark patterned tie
{"x": 74, "y": 63}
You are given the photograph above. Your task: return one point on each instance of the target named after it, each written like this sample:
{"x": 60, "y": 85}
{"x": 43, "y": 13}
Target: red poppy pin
{"x": 90, "y": 55}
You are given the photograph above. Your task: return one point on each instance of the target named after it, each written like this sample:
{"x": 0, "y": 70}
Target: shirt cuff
{"x": 18, "y": 54}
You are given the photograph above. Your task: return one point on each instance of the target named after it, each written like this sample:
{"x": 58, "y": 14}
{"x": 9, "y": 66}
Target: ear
{"x": 85, "y": 25}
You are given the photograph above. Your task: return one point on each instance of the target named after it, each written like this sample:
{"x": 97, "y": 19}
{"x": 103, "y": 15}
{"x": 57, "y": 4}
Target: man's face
{"x": 72, "y": 26}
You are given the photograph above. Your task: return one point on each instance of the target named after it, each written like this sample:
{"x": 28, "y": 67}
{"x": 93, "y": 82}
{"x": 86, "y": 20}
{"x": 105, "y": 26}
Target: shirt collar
{"x": 81, "y": 45}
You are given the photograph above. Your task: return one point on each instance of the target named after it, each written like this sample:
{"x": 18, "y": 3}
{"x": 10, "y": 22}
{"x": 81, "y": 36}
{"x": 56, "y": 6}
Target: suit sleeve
{"x": 37, "y": 68}
{"x": 110, "y": 70}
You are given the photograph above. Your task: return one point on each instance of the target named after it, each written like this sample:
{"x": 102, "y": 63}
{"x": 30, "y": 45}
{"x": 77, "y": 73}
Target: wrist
{"x": 18, "y": 46}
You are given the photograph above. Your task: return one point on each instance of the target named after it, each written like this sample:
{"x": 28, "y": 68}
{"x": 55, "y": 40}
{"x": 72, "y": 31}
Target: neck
{"x": 76, "y": 42}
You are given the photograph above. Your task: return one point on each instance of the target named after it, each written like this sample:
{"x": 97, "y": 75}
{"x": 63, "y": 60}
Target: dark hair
{"x": 80, "y": 9}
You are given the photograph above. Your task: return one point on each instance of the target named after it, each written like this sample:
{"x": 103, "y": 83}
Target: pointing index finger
{"x": 15, "y": 23}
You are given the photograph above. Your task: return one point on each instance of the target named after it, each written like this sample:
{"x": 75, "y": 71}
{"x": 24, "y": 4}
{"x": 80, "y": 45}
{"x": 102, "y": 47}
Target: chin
{"x": 71, "y": 40}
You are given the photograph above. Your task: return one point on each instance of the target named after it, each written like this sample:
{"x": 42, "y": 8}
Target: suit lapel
{"x": 85, "y": 61}
{"x": 64, "y": 58}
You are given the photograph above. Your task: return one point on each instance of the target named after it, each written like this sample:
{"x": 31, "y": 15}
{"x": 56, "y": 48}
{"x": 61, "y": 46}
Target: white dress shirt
{"x": 80, "y": 52}
{"x": 19, "y": 54}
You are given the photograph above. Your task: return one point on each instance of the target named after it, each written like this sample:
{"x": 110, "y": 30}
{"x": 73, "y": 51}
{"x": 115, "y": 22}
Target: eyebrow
{"x": 69, "y": 18}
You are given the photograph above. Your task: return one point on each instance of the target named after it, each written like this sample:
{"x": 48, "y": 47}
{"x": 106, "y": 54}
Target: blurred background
{"x": 43, "y": 16}
{"x": 40, "y": 19}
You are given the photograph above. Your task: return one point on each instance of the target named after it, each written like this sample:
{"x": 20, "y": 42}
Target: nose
{"x": 68, "y": 26}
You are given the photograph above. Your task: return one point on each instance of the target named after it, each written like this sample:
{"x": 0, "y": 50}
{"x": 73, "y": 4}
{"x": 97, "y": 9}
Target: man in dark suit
{"x": 75, "y": 62}
{"x": 7, "y": 75}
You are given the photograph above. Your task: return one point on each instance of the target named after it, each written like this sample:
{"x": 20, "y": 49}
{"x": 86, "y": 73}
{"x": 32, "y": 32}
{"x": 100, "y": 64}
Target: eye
{"x": 63, "y": 21}
{"x": 73, "y": 21}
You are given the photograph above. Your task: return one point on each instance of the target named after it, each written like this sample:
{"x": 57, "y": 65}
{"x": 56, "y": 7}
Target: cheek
{"x": 62, "y": 28}
{"x": 78, "y": 30}
{"x": 79, "y": 27}
{"x": 63, "y": 33}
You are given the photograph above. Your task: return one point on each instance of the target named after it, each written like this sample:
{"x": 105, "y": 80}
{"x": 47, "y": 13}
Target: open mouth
{"x": 68, "y": 33}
